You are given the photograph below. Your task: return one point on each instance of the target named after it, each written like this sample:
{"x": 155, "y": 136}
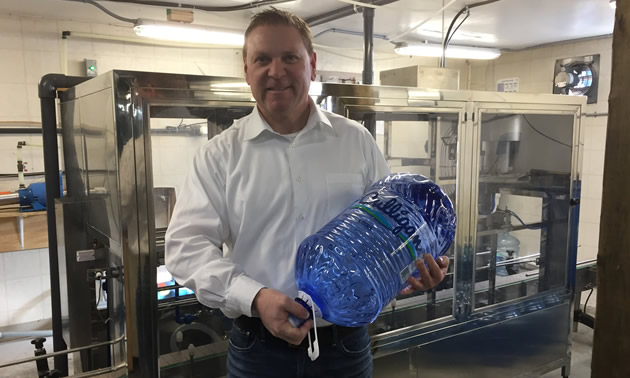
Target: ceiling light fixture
{"x": 456, "y": 52}
{"x": 171, "y": 31}
{"x": 613, "y": 4}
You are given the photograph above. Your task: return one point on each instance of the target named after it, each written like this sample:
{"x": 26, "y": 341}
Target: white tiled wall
{"x": 534, "y": 68}
{"x": 24, "y": 286}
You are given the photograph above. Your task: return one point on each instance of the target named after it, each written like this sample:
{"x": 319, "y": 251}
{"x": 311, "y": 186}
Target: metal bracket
{"x": 90, "y": 254}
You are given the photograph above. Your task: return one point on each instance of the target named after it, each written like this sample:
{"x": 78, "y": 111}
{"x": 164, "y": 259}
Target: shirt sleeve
{"x": 197, "y": 230}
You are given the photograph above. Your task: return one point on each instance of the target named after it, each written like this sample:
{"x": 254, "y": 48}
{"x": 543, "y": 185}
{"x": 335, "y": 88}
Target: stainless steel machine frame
{"x": 107, "y": 148}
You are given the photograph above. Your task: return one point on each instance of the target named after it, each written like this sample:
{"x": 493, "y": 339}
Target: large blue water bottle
{"x": 358, "y": 262}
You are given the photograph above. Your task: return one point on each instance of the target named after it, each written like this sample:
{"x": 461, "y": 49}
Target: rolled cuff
{"x": 241, "y": 296}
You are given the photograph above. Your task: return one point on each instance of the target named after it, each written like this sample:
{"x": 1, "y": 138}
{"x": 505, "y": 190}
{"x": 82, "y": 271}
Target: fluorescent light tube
{"x": 171, "y": 31}
{"x": 457, "y": 52}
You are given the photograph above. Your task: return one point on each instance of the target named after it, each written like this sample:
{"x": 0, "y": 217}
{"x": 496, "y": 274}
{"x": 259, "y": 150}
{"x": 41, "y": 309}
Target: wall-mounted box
{"x": 420, "y": 76}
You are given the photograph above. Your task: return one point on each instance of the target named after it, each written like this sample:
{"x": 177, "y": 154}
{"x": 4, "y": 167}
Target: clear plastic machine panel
{"x": 522, "y": 205}
{"x": 177, "y": 133}
{"x": 425, "y": 143}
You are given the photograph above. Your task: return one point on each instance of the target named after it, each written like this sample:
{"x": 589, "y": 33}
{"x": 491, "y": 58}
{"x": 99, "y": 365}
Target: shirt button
{"x": 300, "y": 217}
{"x": 293, "y": 145}
{"x": 298, "y": 179}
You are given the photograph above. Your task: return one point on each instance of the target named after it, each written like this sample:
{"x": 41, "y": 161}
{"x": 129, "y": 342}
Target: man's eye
{"x": 291, "y": 58}
{"x": 261, "y": 59}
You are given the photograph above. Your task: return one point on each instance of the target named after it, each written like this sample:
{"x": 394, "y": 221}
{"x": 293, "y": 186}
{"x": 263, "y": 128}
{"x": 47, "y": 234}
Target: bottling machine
{"x": 510, "y": 163}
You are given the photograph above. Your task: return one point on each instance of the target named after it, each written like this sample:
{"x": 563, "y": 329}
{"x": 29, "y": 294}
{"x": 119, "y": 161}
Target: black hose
{"x": 448, "y": 37}
{"x": 48, "y": 86}
{"x": 584, "y": 318}
{"x": 457, "y": 28}
{"x": 448, "y": 32}
{"x": 99, "y": 6}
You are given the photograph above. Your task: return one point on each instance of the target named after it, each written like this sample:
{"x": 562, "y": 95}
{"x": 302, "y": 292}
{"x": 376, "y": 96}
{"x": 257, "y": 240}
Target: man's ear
{"x": 313, "y": 66}
{"x": 245, "y": 69}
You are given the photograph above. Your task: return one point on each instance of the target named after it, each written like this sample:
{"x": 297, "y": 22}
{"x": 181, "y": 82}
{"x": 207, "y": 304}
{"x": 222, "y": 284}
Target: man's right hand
{"x": 274, "y": 308}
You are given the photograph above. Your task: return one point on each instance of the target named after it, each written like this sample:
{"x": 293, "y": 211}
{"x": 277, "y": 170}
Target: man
{"x": 260, "y": 188}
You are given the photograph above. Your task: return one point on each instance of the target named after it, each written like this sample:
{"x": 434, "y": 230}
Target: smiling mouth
{"x": 278, "y": 89}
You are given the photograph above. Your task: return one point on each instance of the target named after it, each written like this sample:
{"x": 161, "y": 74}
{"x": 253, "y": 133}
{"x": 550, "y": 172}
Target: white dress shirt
{"x": 260, "y": 194}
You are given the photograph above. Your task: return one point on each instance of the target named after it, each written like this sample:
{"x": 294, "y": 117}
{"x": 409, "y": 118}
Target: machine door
{"x": 424, "y": 141}
{"x": 177, "y": 132}
{"x": 525, "y": 166}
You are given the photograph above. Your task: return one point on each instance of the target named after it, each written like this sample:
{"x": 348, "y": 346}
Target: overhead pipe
{"x": 369, "y": 119}
{"x": 368, "y": 46}
{"x": 254, "y": 4}
{"x": 349, "y": 32}
{"x": 231, "y": 8}
{"x": 48, "y": 86}
{"x": 342, "y": 12}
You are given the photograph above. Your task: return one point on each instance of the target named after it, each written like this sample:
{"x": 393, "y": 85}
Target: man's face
{"x": 279, "y": 70}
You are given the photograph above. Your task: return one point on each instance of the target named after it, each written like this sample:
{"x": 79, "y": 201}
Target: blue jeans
{"x": 259, "y": 354}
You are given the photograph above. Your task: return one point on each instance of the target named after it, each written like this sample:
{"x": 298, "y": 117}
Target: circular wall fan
{"x": 575, "y": 79}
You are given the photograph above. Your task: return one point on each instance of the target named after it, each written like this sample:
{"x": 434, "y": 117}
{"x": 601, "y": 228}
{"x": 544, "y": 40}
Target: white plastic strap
{"x": 313, "y": 346}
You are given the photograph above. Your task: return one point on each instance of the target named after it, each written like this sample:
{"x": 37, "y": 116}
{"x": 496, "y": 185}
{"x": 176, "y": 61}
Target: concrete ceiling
{"x": 507, "y": 24}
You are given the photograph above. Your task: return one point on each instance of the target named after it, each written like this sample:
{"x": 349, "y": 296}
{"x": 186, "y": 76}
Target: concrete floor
{"x": 581, "y": 352}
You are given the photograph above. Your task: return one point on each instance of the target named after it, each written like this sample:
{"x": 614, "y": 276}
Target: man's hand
{"x": 274, "y": 308}
{"x": 429, "y": 278}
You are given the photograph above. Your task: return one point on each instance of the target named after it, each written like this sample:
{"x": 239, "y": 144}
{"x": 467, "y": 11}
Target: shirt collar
{"x": 257, "y": 124}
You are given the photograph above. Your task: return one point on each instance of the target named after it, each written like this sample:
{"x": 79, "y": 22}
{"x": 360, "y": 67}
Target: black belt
{"x": 326, "y": 336}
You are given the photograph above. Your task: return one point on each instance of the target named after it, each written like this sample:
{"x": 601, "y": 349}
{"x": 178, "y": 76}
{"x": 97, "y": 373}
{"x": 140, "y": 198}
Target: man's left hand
{"x": 430, "y": 277}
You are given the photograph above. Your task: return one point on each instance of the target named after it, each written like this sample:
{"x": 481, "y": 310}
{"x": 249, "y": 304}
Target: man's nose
{"x": 276, "y": 68}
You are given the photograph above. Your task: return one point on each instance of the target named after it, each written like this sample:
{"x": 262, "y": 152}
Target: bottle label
{"x": 391, "y": 208}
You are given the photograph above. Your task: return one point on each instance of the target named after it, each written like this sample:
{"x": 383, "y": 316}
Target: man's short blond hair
{"x": 274, "y": 16}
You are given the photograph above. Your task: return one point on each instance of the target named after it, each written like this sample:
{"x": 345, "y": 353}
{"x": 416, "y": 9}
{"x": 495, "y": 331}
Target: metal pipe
{"x": 253, "y": 4}
{"x": 43, "y": 333}
{"x": 349, "y": 32}
{"x": 100, "y": 372}
{"x": 369, "y": 120}
{"x": 20, "y": 130}
{"x": 9, "y": 199}
{"x": 587, "y": 262}
{"x": 368, "y": 46}
{"x": 512, "y": 261}
{"x": 48, "y": 86}
{"x": 63, "y": 352}
{"x": 342, "y": 12}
